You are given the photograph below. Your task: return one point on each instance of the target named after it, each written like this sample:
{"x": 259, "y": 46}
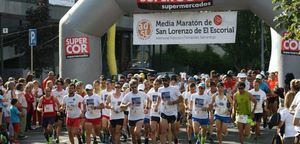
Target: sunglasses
{"x": 118, "y": 87}
{"x": 240, "y": 87}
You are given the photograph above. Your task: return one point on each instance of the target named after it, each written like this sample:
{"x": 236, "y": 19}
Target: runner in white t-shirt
{"x": 116, "y": 116}
{"x": 137, "y": 102}
{"x": 92, "y": 105}
{"x": 72, "y": 104}
{"x": 59, "y": 93}
{"x": 105, "y": 112}
{"x": 200, "y": 105}
{"x": 187, "y": 98}
{"x": 154, "y": 97}
{"x": 170, "y": 98}
{"x": 261, "y": 99}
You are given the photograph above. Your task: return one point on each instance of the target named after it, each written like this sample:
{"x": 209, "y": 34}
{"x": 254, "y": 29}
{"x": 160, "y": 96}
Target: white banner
{"x": 68, "y": 3}
{"x": 184, "y": 28}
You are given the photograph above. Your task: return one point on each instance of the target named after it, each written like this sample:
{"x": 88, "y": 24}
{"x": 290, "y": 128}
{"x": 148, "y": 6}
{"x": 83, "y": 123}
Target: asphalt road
{"x": 36, "y": 137}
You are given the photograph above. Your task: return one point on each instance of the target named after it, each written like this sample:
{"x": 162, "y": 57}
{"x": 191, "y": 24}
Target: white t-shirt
{"x": 8, "y": 97}
{"x": 21, "y": 98}
{"x": 297, "y": 115}
{"x": 153, "y": 96}
{"x": 104, "y": 95}
{"x": 115, "y": 103}
{"x": 169, "y": 94}
{"x": 296, "y": 99}
{"x": 260, "y": 97}
{"x": 59, "y": 94}
{"x": 73, "y": 105}
{"x": 138, "y": 102}
{"x": 199, "y": 102}
{"x": 90, "y": 102}
{"x": 287, "y": 118}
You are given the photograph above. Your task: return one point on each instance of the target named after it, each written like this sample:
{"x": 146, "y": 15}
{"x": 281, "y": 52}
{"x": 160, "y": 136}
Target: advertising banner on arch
{"x": 173, "y": 4}
{"x": 184, "y": 28}
{"x": 290, "y": 47}
{"x": 77, "y": 47}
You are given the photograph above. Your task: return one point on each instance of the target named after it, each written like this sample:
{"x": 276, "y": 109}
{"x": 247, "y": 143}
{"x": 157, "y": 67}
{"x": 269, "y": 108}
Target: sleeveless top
{"x": 221, "y": 104}
{"x": 243, "y": 103}
{"x": 48, "y": 106}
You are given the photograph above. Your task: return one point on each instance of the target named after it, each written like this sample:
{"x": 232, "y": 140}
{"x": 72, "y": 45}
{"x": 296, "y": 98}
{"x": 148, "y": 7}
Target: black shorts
{"x": 170, "y": 119}
{"x": 126, "y": 113}
{"x": 179, "y": 117}
{"x": 257, "y": 117}
{"x": 157, "y": 119}
{"x": 60, "y": 117}
{"x": 133, "y": 123}
{"x": 189, "y": 116}
{"x": 48, "y": 121}
{"x": 116, "y": 122}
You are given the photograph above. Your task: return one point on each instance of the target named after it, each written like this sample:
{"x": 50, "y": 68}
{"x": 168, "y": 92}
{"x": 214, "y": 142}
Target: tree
{"x": 289, "y": 19}
{"x": 245, "y": 52}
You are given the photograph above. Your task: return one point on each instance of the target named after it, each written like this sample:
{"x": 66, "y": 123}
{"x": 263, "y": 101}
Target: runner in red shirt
{"x": 50, "y": 77}
{"x": 47, "y": 105}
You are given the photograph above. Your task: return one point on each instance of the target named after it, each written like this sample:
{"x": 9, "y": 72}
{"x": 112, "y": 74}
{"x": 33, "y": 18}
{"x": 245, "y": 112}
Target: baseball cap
{"x": 141, "y": 87}
{"x": 259, "y": 76}
{"x": 88, "y": 87}
{"x": 201, "y": 85}
{"x": 242, "y": 75}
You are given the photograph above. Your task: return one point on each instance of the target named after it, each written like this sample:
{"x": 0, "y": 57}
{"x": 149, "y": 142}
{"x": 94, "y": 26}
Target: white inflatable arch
{"x": 88, "y": 20}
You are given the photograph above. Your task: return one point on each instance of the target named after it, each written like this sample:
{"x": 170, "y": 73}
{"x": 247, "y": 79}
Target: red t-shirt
{"x": 48, "y": 106}
{"x": 30, "y": 100}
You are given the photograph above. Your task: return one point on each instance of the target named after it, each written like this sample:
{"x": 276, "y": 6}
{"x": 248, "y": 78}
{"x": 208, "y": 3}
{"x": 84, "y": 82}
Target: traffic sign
{"x": 4, "y": 30}
{"x": 32, "y": 37}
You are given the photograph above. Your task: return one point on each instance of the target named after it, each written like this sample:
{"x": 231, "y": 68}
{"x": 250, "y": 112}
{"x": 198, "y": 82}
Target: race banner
{"x": 184, "y": 28}
{"x": 77, "y": 47}
{"x": 290, "y": 47}
{"x": 67, "y": 3}
{"x": 173, "y": 4}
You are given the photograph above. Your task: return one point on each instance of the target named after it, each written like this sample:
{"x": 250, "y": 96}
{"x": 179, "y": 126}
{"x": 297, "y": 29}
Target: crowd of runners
{"x": 150, "y": 106}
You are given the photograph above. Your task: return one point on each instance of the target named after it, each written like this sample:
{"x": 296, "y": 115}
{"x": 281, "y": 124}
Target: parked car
{"x": 139, "y": 70}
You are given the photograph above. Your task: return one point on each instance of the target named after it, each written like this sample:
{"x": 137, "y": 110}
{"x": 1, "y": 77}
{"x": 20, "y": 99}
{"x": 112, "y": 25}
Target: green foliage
{"x": 245, "y": 52}
{"x": 289, "y": 18}
{"x": 38, "y": 16}
{"x": 191, "y": 61}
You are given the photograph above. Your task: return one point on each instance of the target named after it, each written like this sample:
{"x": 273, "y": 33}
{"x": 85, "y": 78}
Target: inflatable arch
{"x": 88, "y": 20}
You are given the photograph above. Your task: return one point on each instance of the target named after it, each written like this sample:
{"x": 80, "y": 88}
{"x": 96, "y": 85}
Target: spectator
{"x": 23, "y": 108}
{"x": 30, "y": 103}
{"x": 50, "y": 77}
{"x": 37, "y": 93}
{"x": 15, "y": 119}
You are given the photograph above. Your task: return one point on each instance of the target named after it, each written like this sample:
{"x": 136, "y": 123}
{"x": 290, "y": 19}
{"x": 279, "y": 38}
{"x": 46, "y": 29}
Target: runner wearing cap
{"x": 200, "y": 105}
{"x": 136, "y": 101}
{"x": 105, "y": 112}
{"x": 72, "y": 104}
{"x": 243, "y": 78}
{"x": 222, "y": 105}
{"x": 92, "y": 105}
{"x": 242, "y": 110}
{"x": 170, "y": 97}
{"x": 154, "y": 97}
{"x": 116, "y": 116}
{"x": 261, "y": 99}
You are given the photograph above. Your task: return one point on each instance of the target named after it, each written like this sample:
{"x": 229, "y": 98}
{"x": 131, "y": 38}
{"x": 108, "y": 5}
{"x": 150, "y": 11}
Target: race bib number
{"x": 257, "y": 97}
{"x": 242, "y": 118}
{"x": 154, "y": 98}
{"x": 71, "y": 108}
{"x": 48, "y": 108}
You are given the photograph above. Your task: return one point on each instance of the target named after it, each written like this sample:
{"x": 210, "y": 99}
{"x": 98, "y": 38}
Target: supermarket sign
{"x": 173, "y": 4}
{"x": 77, "y": 47}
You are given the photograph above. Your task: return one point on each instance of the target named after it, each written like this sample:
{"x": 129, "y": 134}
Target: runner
{"x": 47, "y": 106}
{"x": 72, "y": 105}
{"x": 242, "y": 110}
{"x": 222, "y": 105}
{"x": 200, "y": 105}
{"x": 171, "y": 97}
{"x": 261, "y": 99}
{"x": 154, "y": 97}
{"x": 116, "y": 116}
{"x": 136, "y": 101}
{"x": 105, "y": 112}
{"x": 187, "y": 99}
{"x": 92, "y": 106}
{"x": 59, "y": 93}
